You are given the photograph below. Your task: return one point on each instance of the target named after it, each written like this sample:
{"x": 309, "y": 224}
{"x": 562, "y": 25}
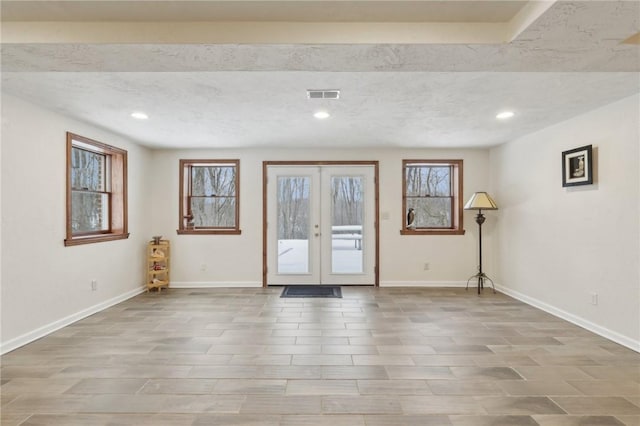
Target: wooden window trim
{"x": 184, "y": 198}
{"x": 116, "y": 167}
{"x": 457, "y": 204}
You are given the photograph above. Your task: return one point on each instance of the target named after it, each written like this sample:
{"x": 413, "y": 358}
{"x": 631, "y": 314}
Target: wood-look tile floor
{"x": 376, "y": 357}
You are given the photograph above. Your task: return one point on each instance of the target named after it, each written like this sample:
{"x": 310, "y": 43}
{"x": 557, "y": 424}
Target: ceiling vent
{"x": 323, "y": 94}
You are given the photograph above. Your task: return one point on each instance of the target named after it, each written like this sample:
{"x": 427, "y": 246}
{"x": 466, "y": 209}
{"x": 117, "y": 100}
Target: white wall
{"x": 44, "y": 284}
{"x": 559, "y": 245}
{"x": 237, "y": 259}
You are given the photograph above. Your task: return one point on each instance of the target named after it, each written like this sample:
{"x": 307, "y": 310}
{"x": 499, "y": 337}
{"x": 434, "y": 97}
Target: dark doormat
{"x": 311, "y": 291}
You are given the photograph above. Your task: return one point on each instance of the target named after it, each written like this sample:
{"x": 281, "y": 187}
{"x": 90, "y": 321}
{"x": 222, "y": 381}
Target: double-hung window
{"x": 96, "y": 191}
{"x": 431, "y": 202}
{"x": 209, "y": 194}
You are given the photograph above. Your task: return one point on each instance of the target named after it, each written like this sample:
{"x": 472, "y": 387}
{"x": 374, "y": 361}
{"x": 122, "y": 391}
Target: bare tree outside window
{"x": 209, "y": 196}
{"x": 429, "y": 194}
{"x": 213, "y": 196}
{"x": 432, "y": 200}
{"x": 293, "y": 204}
{"x": 89, "y": 196}
{"x": 293, "y": 208}
{"x": 347, "y": 195}
{"x": 96, "y": 191}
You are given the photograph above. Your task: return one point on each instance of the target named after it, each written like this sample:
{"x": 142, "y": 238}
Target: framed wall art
{"x": 577, "y": 166}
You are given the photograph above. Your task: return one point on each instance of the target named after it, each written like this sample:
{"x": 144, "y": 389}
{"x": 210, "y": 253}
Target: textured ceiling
{"x": 567, "y": 61}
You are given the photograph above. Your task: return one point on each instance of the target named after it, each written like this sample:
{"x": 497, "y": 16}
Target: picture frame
{"x": 577, "y": 166}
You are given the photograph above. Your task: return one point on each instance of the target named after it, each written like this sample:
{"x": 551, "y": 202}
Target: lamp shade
{"x": 481, "y": 201}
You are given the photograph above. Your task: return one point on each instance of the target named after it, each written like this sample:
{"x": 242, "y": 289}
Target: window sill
{"x": 209, "y": 231}
{"x": 432, "y": 232}
{"x": 93, "y": 239}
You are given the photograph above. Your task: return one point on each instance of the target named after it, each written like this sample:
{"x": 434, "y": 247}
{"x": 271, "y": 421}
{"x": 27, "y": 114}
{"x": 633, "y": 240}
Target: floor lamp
{"x": 480, "y": 201}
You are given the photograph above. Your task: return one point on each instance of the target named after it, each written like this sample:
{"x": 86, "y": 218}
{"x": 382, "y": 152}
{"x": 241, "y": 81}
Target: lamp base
{"x": 481, "y": 277}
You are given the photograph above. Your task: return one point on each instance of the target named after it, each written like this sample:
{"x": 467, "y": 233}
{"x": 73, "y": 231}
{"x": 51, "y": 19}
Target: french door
{"x": 321, "y": 224}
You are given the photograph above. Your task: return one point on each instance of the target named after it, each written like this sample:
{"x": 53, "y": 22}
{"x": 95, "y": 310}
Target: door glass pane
{"x": 347, "y": 195}
{"x": 293, "y": 224}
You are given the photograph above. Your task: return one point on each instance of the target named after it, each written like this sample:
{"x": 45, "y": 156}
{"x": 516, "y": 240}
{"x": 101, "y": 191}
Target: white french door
{"x": 321, "y": 224}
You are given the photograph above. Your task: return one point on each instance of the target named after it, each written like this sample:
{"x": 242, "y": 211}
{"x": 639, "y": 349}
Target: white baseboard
{"x": 38, "y": 333}
{"x": 215, "y": 284}
{"x": 423, "y": 283}
{"x": 579, "y": 321}
{"x": 31, "y": 336}
{"x": 239, "y": 284}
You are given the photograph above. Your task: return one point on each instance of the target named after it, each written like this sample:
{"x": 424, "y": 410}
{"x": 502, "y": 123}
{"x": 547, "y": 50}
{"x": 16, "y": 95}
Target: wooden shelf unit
{"x": 158, "y": 256}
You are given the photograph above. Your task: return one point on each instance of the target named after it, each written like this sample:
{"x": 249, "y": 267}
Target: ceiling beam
{"x": 253, "y": 33}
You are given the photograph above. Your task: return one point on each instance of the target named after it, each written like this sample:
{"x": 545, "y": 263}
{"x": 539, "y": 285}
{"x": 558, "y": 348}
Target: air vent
{"x": 323, "y": 94}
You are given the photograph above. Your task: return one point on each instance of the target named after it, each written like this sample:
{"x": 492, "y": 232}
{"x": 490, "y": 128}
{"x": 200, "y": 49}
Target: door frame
{"x": 376, "y": 213}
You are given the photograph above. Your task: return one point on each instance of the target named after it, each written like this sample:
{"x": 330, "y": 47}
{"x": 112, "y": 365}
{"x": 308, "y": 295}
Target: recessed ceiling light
{"x": 321, "y": 115}
{"x": 504, "y": 115}
{"x": 139, "y": 115}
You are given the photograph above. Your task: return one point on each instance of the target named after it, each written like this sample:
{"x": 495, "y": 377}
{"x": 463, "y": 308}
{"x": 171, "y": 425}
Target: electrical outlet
{"x": 94, "y": 285}
{"x": 427, "y": 266}
{"x": 203, "y": 267}
{"x": 594, "y": 299}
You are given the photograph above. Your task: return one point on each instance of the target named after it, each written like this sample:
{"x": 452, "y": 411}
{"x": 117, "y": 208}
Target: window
{"x": 431, "y": 201}
{"x": 209, "y": 194}
{"x": 96, "y": 192}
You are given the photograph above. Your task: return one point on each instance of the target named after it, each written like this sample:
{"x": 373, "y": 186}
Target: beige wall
{"x": 550, "y": 246}
{"x": 237, "y": 259}
{"x": 558, "y": 246}
{"x": 44, "y": 284}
